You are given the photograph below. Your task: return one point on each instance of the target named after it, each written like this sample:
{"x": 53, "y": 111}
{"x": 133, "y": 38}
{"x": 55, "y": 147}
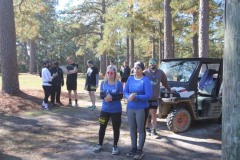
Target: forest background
{"x": 104, "y": 30}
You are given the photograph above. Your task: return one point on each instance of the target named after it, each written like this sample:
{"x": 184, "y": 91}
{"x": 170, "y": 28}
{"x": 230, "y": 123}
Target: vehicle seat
{"x": 206, "y": 88}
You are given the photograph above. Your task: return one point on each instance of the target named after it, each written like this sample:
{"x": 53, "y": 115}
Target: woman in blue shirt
{"x": 138, "y": 91}
{"x": 111, "y": 91}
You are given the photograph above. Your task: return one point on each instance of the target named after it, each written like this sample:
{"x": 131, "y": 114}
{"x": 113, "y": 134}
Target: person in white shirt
{"x": 46, "y": 83}
{"x": 113, "y": 65}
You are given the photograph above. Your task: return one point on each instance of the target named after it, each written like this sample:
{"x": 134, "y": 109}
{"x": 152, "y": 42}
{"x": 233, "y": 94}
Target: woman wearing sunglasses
{"x": 138, "y": 91}
{"x": 111, "y": 91}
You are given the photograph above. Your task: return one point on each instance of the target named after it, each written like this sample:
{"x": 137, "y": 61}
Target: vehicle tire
{"x": 178, "y": 120}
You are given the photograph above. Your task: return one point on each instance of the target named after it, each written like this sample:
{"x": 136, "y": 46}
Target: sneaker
{"x": 139, "y": 154}
{"x": 154, "y": 133}
{"x": 97, "y": 148}
{"x": 45, "y": 106}
{"x": 131, "y": 152}
{"x": 148, "y": 130}
{"x": 115, "y": 150}
{"x": 93, "y": 107}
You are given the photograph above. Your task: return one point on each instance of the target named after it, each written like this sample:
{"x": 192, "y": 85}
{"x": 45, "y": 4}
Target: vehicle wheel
{"x": 178, "y": 120}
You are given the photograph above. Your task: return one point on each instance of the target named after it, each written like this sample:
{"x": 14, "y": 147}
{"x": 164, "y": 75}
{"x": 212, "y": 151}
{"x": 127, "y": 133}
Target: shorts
{"x": 91, "y": 88}
{"x": 153, "y": 104}
{"x": 124, "y": 79}
{"x": 72, "y": 85}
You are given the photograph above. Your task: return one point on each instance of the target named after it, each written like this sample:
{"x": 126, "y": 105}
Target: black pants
{"x": 116, "y": 123}
{"x": 56, "y": 91}
{"x": 47, "y": 92}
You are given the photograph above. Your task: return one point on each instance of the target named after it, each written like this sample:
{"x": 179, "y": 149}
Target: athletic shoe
{"x": 97, "y": 148}
{"x": 154, "y": 133}
{"x": 148, "y": 130}
{"x": 115, "y": 150}
{"x": 93, "y": 107}
{"x": 132, "y": 152}
{"x": 45, "y": 106}
{"x": 139, "y": 154}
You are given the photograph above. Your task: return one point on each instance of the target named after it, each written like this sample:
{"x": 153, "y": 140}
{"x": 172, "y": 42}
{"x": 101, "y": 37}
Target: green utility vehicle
{"x": 196, "y": 88}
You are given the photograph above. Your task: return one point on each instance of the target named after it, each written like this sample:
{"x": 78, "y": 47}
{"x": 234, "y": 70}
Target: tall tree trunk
{"x": 231, "y": 83}
{"x": 103, "y": 62}
{"x": 195, "y": 38}
{"x": 127, "y": 54}
{"x": 10, "y": 83}
{"x": 168, "y": 50}
{"x": 203, "y": 28}
{"x": 160, "y": 43}
{"x": 153, "y": 43}
{"x": 173, "y": 44}
{"x": 32, "y": 56}
{"x": 131, "y": 63}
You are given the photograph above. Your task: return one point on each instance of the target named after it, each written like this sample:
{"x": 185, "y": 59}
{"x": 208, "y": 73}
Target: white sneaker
{"x": 114, "y": 150}
{"x": 46, "y": 106}
{"x": 97, "y": 148}
{"x": 43, "y": 104}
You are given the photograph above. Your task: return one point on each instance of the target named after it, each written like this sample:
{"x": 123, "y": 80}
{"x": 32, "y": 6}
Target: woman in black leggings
{"x": 111, "y": 91}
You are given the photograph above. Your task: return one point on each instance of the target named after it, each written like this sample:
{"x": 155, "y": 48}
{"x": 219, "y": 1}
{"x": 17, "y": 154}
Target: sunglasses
{"x": 110, "y": 73}
{"x": 152, "y": 63}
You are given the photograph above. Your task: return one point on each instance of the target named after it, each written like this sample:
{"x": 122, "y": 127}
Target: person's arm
{"x": 61, "y": 76}
{"x": 126, "y": 89}
{"x": 119, "y": 96}
{"x": 75, "y": 70}
{"x": 147, "y": 91}
{"x": 164, "y": 81}
{"x": 102, "y": 94}
{"x": 97, "y": 79}
{"x": 97, "y": 76}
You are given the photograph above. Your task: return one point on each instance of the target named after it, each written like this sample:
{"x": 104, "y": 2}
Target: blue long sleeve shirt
{"x": 143, "y": 89}
{"x": 113, "y": 106}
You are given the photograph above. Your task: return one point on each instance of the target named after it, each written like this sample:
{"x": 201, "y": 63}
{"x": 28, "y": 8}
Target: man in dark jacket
{"x": 57, "y": 83}
{"x": 125, "y": 72}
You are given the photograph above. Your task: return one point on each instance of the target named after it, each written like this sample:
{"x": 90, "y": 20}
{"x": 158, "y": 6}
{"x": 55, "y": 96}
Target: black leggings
{"x": 47, "y": 92}
{"x": 116, "y": 123}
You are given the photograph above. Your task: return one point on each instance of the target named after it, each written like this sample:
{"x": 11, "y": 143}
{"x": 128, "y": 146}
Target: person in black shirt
{"x": 57, "y": 83}
{"x": 125, "y": 72}
{"x": 91, "y": 83}
{"x": 71, "y": 71}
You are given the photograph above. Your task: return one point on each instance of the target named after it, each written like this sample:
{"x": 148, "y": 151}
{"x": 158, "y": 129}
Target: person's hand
{"x": 131, "y": 97}
{"x": 55, "y": 75}
{"x": 96, "y": 86}
{"x": 108, "y": 98}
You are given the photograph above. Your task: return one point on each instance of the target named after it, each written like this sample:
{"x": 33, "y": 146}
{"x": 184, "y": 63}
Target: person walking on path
{"x": 138, "y": 91}
{"x": 125, "y": 72}
{"x": 57, "y": 83}
{"x": 47, "y": 83}
{"x": 71, "y": 70}
{"x": 111, "y": 93}
{"x": 156, "y": 76}
{"x": 91, "y": 83}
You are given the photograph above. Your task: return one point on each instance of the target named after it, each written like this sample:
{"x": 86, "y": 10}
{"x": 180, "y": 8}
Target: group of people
{"x": 141, "y": 90}
{"x": 142, "y": 93}
{"x": 53, "y": 80}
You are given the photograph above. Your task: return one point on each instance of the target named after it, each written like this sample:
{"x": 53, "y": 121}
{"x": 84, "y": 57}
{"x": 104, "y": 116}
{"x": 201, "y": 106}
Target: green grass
{"x": 30, "y": 81}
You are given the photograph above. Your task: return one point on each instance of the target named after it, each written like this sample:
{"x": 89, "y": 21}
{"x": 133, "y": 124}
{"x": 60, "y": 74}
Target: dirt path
{"x": 71, "y": 133}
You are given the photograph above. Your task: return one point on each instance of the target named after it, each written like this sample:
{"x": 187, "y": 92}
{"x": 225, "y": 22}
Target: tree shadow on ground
{"x": 72, "y": 132}
{"x": 8, "y": 157}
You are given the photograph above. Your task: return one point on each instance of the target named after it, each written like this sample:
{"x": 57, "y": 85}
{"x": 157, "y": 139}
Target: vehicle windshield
{"x": 179, "y": 71}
